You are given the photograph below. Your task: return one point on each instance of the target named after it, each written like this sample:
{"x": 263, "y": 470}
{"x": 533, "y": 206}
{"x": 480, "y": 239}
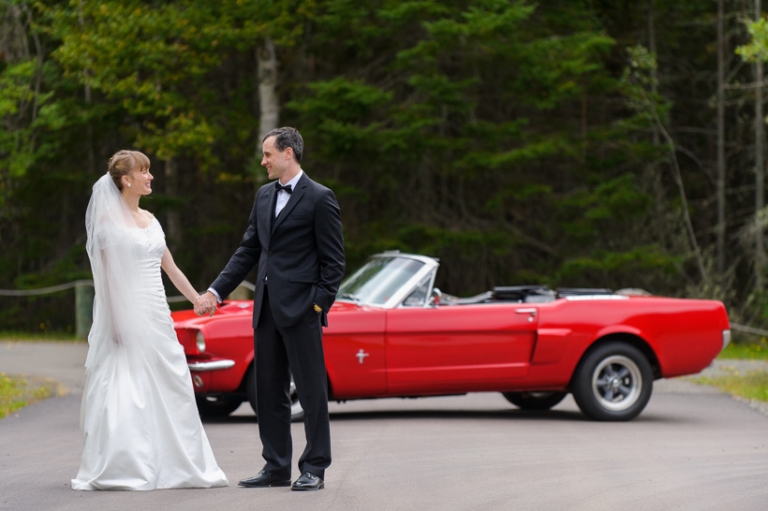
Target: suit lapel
{"x": 266, "y": 213}
{"x": 296, "y": 196}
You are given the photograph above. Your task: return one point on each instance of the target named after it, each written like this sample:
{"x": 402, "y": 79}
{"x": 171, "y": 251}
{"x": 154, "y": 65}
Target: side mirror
{"x": 435, "y": 297}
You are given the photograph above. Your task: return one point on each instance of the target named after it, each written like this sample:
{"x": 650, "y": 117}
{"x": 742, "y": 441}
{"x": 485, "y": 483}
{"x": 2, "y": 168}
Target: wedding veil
{"x": 117, "y": 311}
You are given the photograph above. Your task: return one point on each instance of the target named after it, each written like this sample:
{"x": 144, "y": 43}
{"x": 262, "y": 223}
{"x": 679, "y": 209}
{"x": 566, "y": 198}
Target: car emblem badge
{"x": 361, "y": 356}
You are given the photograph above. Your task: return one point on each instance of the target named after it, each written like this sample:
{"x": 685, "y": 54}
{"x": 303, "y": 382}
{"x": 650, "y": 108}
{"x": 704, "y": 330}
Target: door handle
{"x": 531, "y": 313}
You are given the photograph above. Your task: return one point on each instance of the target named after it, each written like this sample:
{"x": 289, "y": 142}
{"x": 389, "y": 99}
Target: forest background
{"x": 613, "y": 143}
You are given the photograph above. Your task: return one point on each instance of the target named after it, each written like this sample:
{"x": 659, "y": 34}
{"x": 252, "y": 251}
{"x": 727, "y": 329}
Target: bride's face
{"x": 140, "y": 182}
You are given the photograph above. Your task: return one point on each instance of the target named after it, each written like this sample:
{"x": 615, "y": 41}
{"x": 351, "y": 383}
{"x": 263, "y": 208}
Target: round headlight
{"x": 200, "y": 342}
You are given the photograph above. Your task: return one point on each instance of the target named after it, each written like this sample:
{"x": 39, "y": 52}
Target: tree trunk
{"x": 759, "y": 166}
{"x": 654, "y": 70}
{"x": 720, "y": 227}
{"x": 269, "y": 103}
{"x": 86, "y": 80}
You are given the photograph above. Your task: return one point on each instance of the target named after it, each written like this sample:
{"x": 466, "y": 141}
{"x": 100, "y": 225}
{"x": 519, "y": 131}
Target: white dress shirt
{"x": 283, "y": 196}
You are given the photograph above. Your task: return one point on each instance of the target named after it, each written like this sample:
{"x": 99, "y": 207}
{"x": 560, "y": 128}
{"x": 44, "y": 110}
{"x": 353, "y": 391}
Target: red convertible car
{"x": 391, "y": 333}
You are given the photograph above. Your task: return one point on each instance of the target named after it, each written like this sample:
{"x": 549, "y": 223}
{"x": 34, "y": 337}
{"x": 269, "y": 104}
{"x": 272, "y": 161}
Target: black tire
{"x": 534, "y": 401}
{"x": 613, "y": 382}
{"x": 220, "y": 406}
{"x": 297, "y": 412}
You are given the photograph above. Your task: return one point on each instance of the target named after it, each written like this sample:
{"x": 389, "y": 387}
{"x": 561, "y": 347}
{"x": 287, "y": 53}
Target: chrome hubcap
{"x": 617, "y": 383}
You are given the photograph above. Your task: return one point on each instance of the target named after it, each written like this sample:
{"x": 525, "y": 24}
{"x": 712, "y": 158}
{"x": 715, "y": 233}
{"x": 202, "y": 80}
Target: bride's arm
{"x": 177, "y": 277}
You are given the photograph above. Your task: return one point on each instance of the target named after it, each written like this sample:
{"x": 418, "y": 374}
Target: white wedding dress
{"x": 139, "y": 419}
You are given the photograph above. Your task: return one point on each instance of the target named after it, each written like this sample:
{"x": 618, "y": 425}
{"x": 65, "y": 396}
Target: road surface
{"x": 693, "y": 448}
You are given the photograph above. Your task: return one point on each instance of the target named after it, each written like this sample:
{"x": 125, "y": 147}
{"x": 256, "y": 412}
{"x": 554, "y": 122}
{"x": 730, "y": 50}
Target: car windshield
{"x": 379, "y": 279}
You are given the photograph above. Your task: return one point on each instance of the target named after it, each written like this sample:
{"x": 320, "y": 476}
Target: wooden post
{"x": 83, "y": 308}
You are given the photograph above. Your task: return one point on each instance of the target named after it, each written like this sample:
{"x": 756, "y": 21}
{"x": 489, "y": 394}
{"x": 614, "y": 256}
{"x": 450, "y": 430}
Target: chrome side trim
{"x": 214, "y": 365}
{"x": 581, "y": 298}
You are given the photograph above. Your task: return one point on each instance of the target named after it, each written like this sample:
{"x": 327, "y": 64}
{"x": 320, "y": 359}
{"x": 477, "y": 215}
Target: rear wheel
{"x": 613, "y": 383}
{"x": 534, "y": 400}
{"x": 219, "y": 406}
{"x": 297, "y": 412}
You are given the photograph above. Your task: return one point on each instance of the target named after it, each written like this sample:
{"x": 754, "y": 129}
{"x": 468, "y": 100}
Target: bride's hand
{"x": 205, "y": 304}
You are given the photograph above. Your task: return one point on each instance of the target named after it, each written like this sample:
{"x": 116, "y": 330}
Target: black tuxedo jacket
{"x": 300, "y": 255}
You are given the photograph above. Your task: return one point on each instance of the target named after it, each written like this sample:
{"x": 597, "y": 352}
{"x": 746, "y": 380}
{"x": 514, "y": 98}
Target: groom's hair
{"x": 287, "y": 137}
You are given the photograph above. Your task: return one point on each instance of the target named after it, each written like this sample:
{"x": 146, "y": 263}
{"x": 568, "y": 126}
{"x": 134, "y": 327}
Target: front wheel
{"x": 613, "y": 383}
{"x": 297, "y": 412}
{"x": 534, "y": 400}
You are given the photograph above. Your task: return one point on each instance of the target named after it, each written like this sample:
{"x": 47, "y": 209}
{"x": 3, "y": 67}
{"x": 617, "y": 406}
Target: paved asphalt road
{"x": 692, "y": 449}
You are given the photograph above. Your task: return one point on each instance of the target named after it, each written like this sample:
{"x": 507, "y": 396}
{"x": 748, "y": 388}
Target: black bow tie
{"x": 279, "y": 187}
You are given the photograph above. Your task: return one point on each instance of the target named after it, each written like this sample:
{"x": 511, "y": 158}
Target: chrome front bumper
{"x": 214, "y": 365}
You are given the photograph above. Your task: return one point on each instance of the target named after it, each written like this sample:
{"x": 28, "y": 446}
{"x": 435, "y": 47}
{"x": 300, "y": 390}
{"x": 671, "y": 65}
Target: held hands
{"x": 205, "y": 304}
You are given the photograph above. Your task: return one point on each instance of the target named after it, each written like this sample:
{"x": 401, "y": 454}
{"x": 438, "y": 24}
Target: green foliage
{"x": 16, "y": 147}
{"x": 148, "y": 59}
{"x": 512, "y": 139}
{"x": 621, "y": 266}
{"x": 457, "y": 91}
{"x": 757, "y": 48}
{"x": 638, "y": 81}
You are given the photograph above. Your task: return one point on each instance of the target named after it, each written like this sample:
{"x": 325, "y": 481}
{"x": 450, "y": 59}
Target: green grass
{"x": 746, "y": 351}
{"x": 750, "y": 385}
{"x": 17, "y": 392}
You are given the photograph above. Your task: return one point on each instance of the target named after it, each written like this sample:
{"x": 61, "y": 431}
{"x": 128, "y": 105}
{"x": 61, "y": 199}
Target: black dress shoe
{"x": 308, "y": 482}
{"x": 265, "y": 480}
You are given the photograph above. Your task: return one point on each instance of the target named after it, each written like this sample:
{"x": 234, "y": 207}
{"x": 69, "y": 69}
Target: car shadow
{"x": 367, "y": 415}
{"x": 454, "y": 414}
{"x": 550, "y": 415}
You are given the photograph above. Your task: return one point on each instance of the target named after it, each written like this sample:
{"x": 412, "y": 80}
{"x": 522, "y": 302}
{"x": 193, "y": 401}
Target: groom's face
{"x": 275, "y": 161}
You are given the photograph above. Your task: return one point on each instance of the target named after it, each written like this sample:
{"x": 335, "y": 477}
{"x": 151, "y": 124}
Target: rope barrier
{"x": 45, "y": 290}
{"x": 84, "y": 295}
{"x": 749, "y": 329}
{"x": 70, "y": 285}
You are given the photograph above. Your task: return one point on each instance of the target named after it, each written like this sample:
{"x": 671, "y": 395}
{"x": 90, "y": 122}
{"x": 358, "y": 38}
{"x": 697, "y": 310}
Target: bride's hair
{"x": 123, "y": 163}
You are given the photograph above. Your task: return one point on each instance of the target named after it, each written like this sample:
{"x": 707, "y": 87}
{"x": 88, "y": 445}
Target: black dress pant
{"x": 280, "y": 352}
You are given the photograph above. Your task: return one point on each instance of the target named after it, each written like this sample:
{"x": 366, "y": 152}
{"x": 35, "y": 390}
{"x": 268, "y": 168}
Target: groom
{"x": 294, "y": 237}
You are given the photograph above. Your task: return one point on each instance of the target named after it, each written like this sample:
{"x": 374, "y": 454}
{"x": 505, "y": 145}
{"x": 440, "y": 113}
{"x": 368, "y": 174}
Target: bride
{"x": 139, "y": 419}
